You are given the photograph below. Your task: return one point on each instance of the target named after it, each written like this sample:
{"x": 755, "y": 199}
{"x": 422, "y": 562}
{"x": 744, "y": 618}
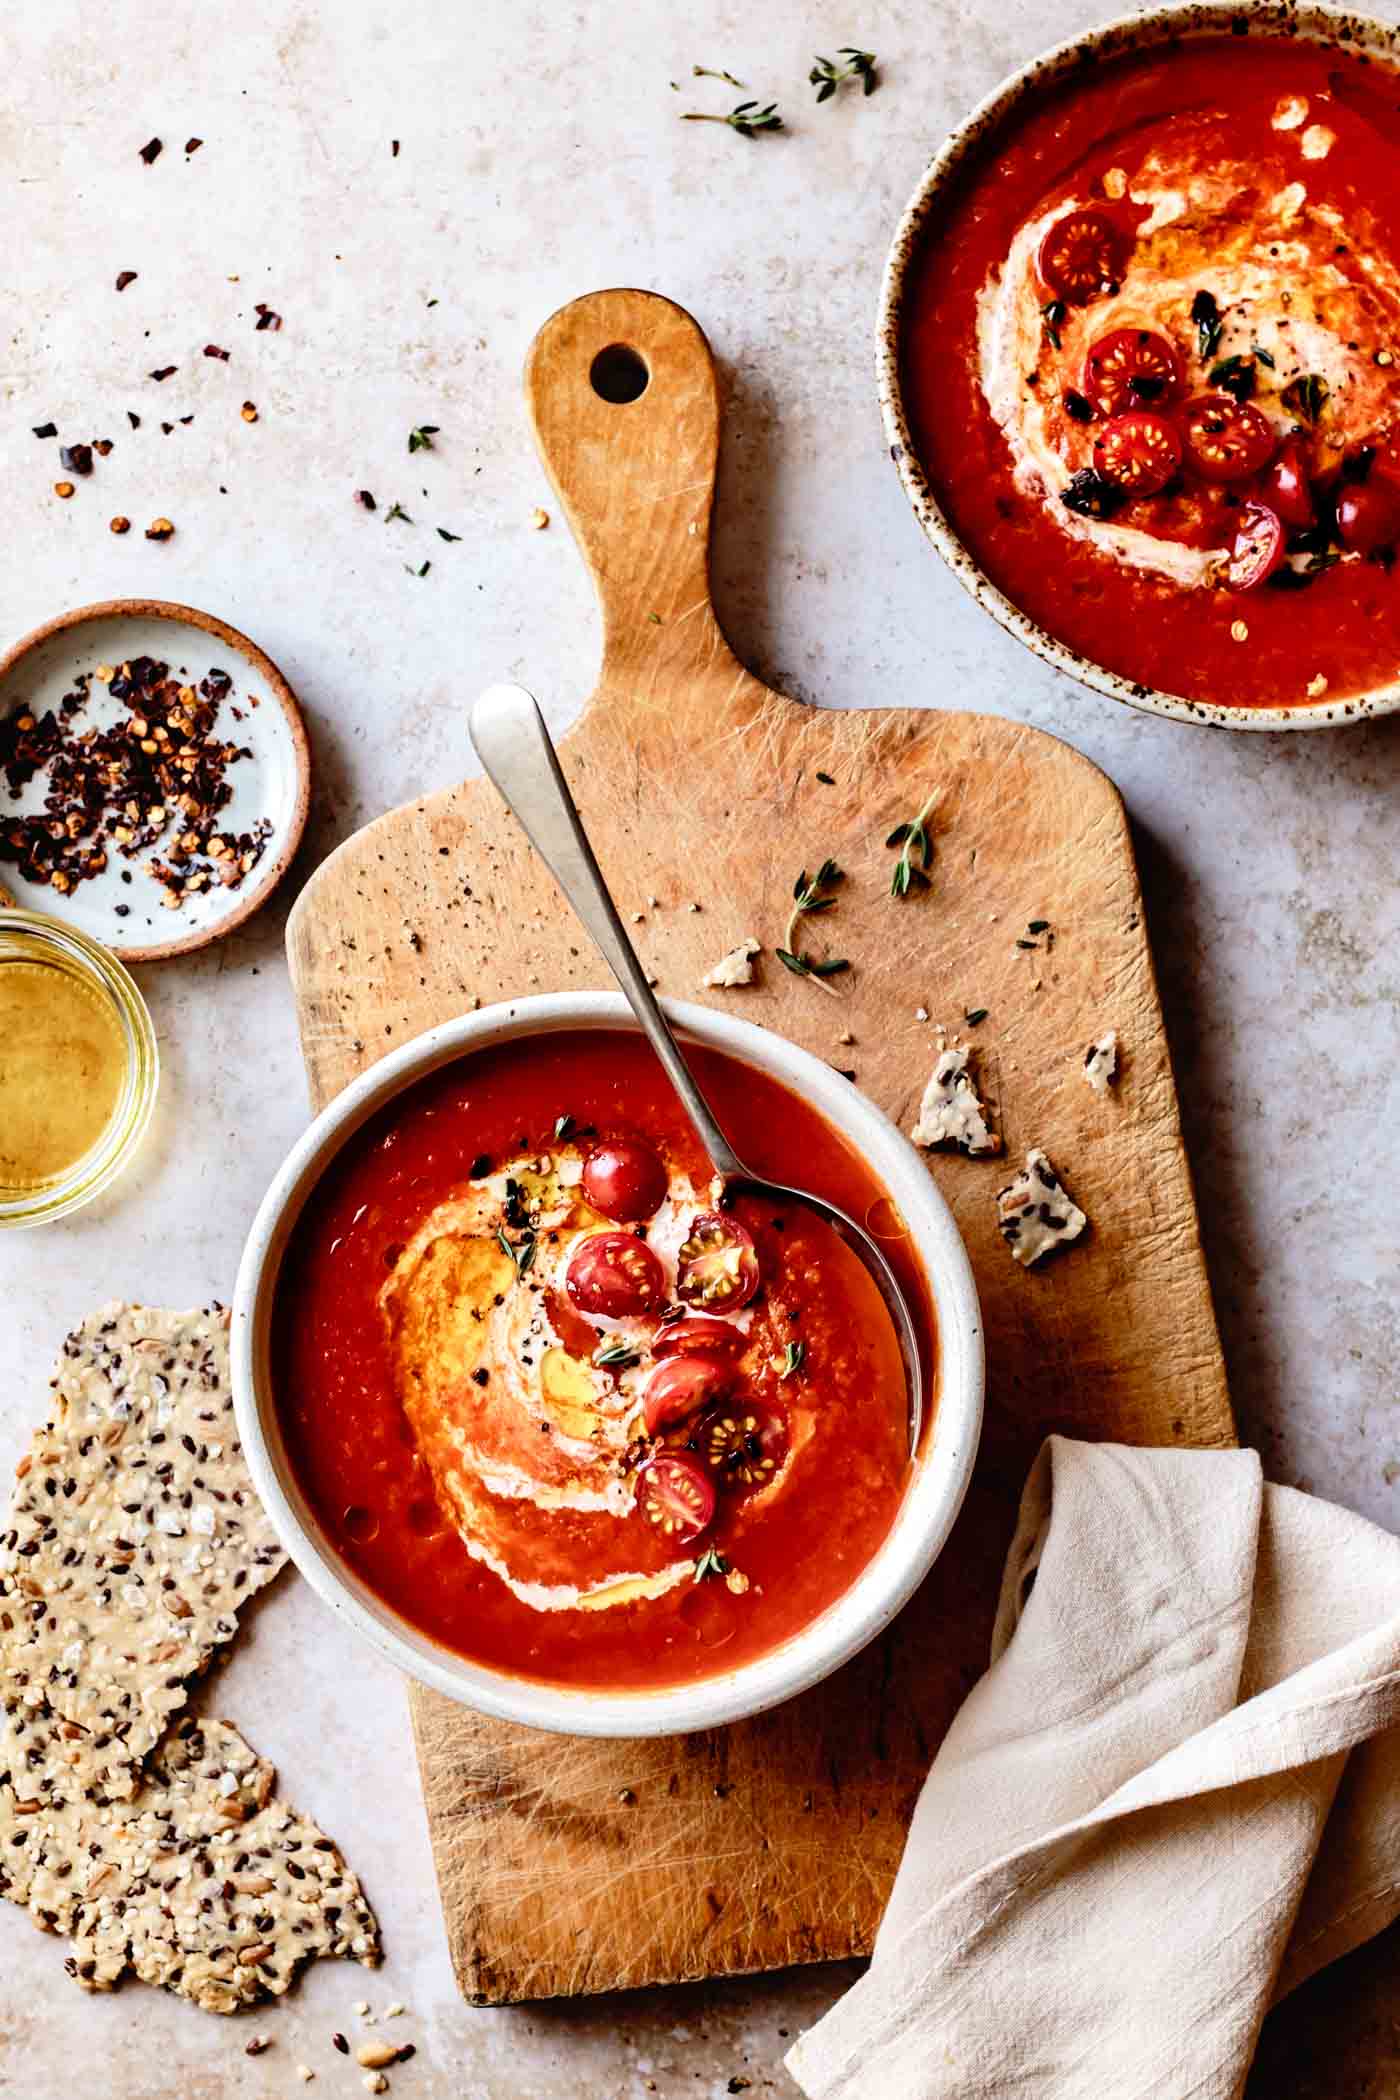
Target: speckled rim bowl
{"x": 1314, "y": 24}
{"x": 938, "y": 1479}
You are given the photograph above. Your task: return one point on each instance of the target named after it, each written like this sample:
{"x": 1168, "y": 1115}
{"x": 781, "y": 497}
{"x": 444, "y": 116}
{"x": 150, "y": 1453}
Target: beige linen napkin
{"x": 1174, "y": 1795}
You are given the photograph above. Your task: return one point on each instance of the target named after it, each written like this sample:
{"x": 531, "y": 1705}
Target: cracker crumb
{"x": 392, "y": 2012}
{"x": 1289, "y": 112}
{"x": 920, "y": 1013}
{"x": 1317, "y": 687}
{"x": 735, "y": 968}
{"x": 1101, "y": 1062}
{"x": 1317, "y": 142}
{"x": 950, "y": 1112}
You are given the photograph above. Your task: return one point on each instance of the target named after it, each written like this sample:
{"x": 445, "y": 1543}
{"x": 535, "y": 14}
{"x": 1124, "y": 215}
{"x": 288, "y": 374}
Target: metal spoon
{"x": 514, "y": 746}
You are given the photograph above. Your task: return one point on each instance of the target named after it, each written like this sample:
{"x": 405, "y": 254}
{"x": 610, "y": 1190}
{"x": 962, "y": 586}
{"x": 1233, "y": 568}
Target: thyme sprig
{"x": 716, "y": 73}
{"x": 810, "y": 895}
{"x": 915, "y": 851}
{"x": 747, "y": 119}
{"x": 826, "y": 77}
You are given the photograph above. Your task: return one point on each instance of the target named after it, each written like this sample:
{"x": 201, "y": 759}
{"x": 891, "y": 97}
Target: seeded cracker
{"x": 950, "y": 1112}
{"x": 204, "y": 1884}
{"x": 1036, "y": 1213}
{"x": 135, "y": 1535}
{"x": 183, "y": 1870}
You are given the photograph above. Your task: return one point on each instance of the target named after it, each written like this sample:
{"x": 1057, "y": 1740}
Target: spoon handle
{"x": 514, "y": 746}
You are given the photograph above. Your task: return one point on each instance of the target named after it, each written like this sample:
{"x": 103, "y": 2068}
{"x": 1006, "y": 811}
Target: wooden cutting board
{"x": 570, "y": 1866}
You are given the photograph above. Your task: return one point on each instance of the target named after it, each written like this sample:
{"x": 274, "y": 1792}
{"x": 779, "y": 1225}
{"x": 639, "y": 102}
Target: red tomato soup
{"x": 1151, "y": 362}
{"x": 557, "y": 1410}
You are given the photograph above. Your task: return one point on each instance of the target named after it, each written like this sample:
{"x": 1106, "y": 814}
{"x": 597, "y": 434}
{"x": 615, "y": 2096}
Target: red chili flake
{"x": 46, "y": 430}
{"x": 193, "y": 145}
{"x": 133, "y": 419}
{"x": 124, "y": 278}
{"x": 365, "y": 500}
{"x": 167, "y": 428}
{"x": 266, "y": 317}
{"x": 77, "y": 459}
{"x": 102, "y": 446}
{"x": 187, "y": 419}
{"x": 394, "y": 148}
{"x": 213, "y": 350}
{"x": 156, "y": 777}
{"x": 162, "y": 371}
{"x": 151, "y": 151}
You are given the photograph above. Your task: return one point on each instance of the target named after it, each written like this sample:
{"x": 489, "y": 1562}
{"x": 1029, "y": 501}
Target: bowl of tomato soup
{"x": 1139, "y": 361}
{"x": 561, "y": 1435}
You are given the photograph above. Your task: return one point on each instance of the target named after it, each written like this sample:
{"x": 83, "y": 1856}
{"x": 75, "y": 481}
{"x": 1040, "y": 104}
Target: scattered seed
{"x": 46, "y": 430}
{"x": 159, "y": 529}
{"x": 124, "y": 278}
{"x": 256, "y": 2044}
{"x": 375, "y": 2082}
{"x": 249, "y": 412}
{"x": 193, "y": 145}
{"x": 373, "y": 2056}
{"x": 339, "y": 2042}
{"x": 266, "y": 317}
{"x": 365, "y": 500}
{"x": 151, "y": 151}
{"x": 162, "y": 372}
{"x": 63, "y": 488}
{"x": 305, "y": 2073}
{"x": 539, "y": 518}
{"x": 119, "y": 524}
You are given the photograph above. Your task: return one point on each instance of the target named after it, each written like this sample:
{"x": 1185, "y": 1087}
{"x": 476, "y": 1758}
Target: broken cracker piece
{"x": 735, "y": 968}
{"x": 1036, "y": 1213}
{"x": 133, "y": 1540}
{"x": 950, "y": 1112}
{"x": 204, "y": 1882}
{"x": 1101, "y": 1062}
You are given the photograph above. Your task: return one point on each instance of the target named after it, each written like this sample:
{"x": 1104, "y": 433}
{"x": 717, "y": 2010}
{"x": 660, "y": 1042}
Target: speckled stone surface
{"x": 542, "y": 156}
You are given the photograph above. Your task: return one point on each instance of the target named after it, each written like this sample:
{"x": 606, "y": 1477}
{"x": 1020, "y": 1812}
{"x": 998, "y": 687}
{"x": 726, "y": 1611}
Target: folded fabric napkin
{"x": 1174, "y": 1795}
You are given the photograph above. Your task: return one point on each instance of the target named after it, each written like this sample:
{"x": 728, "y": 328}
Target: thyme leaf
{"x": 794, "y": 1356}
{"x": 1305, "y": 396}
{"x": 1234, "y": 375}
{"x": 563, "y": 1128}
{"x": 747, "y": 119}
{"x": 1054, "y": 313}
{"x": 1206, "y": 315}
{"x": 915, "y": 851}
{"x": 711, "y": 1562}
{"x": 522, "y": 1251}
{"x": 396, "y": 510}
{"x": 616, "y": 1356}
{"x": 826, "y": 76}
{"x": 421, "y": 439}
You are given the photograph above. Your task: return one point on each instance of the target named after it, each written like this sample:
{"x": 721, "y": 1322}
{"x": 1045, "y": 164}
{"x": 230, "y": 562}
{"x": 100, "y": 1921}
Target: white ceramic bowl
{"x": 938, "y": 1479}
{"x": 999, "y": 113}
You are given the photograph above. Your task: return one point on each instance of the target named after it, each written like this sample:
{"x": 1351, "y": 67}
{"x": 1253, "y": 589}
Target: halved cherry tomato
{"x": 1286, "y": 489}
{"x": 624, "y": 1179}
{"x": 1226, "y": 440}
{"x": 616, "y": 1274}
{"x": 682, "y": 1386}
{"x": 1368, "y": 514}
{"x": 676, "y": 1495}
{"x": 1131, "y": 368}
{"x": 1258, "y": 548}
{"x": 744, "y": 1445}
{"x": 1082, "y": 255}
{"x": 696, "y": 1332}
{"x": 1140, "y": 451}
{"x": 718, "y": 1265}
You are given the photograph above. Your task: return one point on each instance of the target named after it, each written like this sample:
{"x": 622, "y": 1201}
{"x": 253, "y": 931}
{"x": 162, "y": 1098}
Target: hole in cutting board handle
{"x": 619, "y": 374}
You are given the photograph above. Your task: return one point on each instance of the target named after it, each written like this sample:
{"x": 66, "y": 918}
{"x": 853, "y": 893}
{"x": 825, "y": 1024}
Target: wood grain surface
{"x": 570, "y": 1866}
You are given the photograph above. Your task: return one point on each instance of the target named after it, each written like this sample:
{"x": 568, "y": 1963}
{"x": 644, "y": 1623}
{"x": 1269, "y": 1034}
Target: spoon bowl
{"x": 516, "y": 749}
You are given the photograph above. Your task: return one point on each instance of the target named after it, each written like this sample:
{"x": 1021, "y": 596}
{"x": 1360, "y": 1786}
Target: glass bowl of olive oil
{"x": 79, "y": 1068}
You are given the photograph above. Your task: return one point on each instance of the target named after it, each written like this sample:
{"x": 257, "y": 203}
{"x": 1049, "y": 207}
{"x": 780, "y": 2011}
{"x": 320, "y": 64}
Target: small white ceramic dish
{"x": 272, "y": 783}
{"x": 996, "y": 115}
{"x": 938, "y": 1477}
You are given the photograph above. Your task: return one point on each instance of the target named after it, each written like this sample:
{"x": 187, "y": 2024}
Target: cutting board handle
{"x": 623, "y": 398}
